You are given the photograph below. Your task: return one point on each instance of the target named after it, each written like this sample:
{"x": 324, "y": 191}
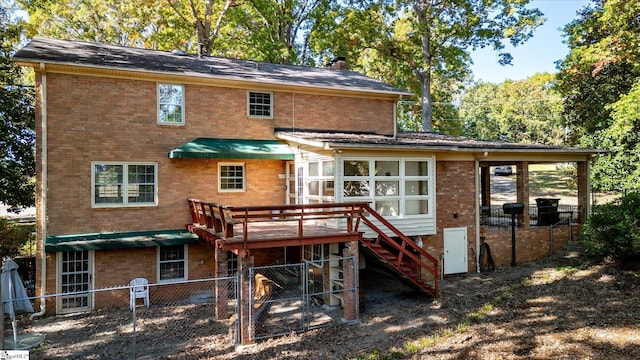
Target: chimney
{"x": 200, "y": 50}
{"x": 339, "y": 63}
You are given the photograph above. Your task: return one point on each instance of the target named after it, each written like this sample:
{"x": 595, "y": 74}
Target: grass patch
{"x": 566, "y": 269}
{"x": 549, "y": 180}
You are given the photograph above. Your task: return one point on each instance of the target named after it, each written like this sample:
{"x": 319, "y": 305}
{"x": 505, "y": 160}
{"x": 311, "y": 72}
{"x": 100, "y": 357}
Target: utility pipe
{"x": 43, "y": 191}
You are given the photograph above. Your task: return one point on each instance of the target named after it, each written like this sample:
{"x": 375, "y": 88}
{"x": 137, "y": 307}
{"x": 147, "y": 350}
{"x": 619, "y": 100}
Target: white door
{"x": 455, "y": 250}
{"x": 290, "y": 176}
{"x": 75, "y": 277}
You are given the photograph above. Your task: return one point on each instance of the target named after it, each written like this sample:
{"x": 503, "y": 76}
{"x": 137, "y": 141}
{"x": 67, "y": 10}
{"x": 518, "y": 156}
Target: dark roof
{"x": 414, "y": 141}
{"x": 93, "y": 55}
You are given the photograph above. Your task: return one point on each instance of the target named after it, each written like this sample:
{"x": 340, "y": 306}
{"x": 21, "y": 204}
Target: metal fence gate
{"x": 298, "y": 297}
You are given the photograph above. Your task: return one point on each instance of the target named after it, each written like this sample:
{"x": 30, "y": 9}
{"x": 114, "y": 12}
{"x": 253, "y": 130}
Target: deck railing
{"x": 222, "y": 218}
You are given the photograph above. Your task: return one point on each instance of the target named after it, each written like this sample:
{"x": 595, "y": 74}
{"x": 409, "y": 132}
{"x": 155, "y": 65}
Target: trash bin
{"x": 547, "y": 211}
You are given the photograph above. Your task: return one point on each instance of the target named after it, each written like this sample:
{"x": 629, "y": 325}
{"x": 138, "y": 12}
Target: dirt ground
{"x": 560, "y": 308}
{"x": 557, "y": 308}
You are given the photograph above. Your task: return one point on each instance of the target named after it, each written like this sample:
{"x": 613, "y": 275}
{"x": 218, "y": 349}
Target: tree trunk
{"x": 422, "y": 9}
{"x": 425, "y": 83}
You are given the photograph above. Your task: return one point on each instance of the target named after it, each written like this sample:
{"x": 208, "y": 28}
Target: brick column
{"x": 522, "y": 192}
{"x": 350, "y": 276}
{"x": 222, "y": 286}
{"x": 583, "y": 190}
{"x": 244, "y": 302}
{"x": 485, "y": 186}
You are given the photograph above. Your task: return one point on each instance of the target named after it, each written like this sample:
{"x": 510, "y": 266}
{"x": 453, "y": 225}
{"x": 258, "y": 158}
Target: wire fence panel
{"x": 327, "y": 305}
{"x": 277, "y": 301}
{"x": 300, "y": 297}
{"x": 190, "y": 319}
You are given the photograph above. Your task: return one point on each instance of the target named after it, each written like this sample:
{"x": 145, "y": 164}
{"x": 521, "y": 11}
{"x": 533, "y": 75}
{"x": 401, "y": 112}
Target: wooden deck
{"x": 247, "y": 228}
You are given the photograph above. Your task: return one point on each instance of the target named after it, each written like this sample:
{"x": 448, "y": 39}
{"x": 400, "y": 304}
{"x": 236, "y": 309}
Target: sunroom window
{"x": 395, "y": 187}
{"x": 321, "y": 184}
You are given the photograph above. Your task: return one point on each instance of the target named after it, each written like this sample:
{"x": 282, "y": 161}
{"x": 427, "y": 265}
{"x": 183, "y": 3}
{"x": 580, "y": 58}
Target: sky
{"x": 539, "y": 53}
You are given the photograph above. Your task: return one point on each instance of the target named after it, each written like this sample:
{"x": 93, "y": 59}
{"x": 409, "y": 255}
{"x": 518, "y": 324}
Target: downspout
{"x": 477, "y": 206}
{"x": 293, "y": 111}
{"x": 395, "y": 117}
{"x": 43, "y": 192}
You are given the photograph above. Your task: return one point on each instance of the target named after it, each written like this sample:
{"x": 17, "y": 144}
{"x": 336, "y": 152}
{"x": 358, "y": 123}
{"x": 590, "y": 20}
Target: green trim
{"x": 212, "y": 148}
{"x": 121, "y": 240}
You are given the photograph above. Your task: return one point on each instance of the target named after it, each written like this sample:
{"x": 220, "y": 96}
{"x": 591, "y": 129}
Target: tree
{"x": 277, "y": 31}
{"x": 116, "y": 22}
{"x": 17, "y": 125}
{"x": 423, "y": 40}
{"x": 599, "y": 81}
{"x": 524, "y": 111}
{"x": 14, "y": 238}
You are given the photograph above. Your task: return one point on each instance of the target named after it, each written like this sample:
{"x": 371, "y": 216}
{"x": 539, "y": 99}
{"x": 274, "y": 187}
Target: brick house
{"x": 126, "y": 136}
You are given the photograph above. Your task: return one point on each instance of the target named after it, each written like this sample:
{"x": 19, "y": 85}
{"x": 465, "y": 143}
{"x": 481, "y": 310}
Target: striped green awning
{"x": 212, "y": 148}
{"x": 120, "y": 240}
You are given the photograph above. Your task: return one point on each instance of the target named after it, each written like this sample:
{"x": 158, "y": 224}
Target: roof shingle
{"x": 84, "y": 54}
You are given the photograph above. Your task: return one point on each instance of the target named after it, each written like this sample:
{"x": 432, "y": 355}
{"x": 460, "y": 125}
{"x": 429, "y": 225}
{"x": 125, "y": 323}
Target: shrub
{"x": 14, "y": 238}
{"x": 614, "y": 229}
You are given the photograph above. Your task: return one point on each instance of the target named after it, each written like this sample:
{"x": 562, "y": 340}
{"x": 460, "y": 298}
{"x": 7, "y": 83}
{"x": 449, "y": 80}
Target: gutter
{"x": 43, "y": 194}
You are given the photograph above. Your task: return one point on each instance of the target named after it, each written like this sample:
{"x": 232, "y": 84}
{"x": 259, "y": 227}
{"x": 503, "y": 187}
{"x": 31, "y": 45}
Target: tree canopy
{"x": 17, "y": 123}
{"x": 599, "y": 80}
{"x": 425, "y": 45}
{"x": 525, "y": 111}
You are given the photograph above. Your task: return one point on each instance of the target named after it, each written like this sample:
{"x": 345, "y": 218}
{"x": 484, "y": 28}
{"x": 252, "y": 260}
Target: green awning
{"x": 120, "y": 240}
{"x": 211, "y": 148}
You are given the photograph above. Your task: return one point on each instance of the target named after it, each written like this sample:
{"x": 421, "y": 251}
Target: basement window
{"x": 172, "y": 263}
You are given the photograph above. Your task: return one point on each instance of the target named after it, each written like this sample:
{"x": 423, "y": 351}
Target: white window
{"x": 231, "y": 177}
{"x": 117, "y": 184}
{"x": 170, "y": 104}
{"x": 320, "y": 182}
{"x": 396, "y": 187}
{"x": 260, "y": 104}
{"x": 172, "y": 263}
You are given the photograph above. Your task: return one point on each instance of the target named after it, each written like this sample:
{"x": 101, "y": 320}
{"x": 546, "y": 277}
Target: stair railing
{"x": 405, "y": 256}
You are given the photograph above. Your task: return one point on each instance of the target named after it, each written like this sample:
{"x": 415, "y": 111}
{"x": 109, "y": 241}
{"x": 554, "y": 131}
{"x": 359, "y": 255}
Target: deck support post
{"x": 350, "y": 271}
{"x": 244, "y": 301}
{"x": 223, "y": 287}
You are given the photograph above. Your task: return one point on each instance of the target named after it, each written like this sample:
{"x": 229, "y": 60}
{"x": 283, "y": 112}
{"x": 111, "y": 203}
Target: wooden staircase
{"x": 398, "y": 252}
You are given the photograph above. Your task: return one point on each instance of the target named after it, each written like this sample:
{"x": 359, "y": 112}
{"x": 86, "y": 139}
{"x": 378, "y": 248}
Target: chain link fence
{"x": 299, "y": 297}
{"x": 191, "y": 319}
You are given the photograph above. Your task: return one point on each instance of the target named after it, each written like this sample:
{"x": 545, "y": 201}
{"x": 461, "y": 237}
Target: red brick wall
{"x": 455, "y": 189}
{"x": 111, "y": 119}
{"x": 119, "y": 266}
{"x": 531, "y": 243}
{"x": 108, "y": 119}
